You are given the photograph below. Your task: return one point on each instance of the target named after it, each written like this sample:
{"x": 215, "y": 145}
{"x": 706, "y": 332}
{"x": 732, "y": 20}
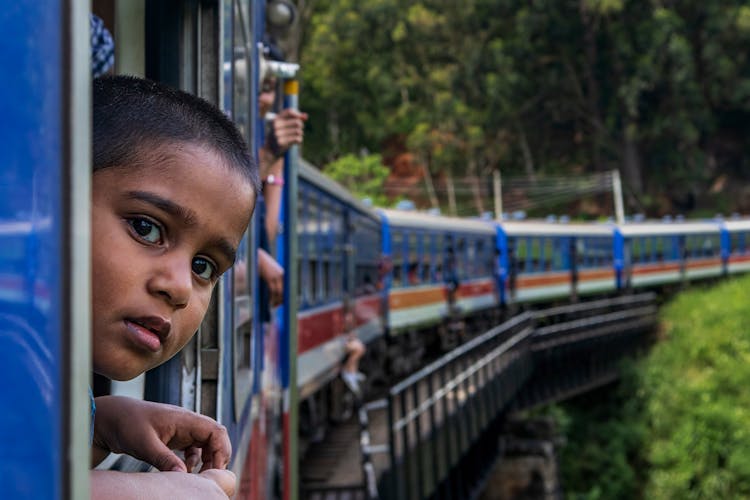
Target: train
{"x": 437, "y": 280}
{"x": 408, "y": 284}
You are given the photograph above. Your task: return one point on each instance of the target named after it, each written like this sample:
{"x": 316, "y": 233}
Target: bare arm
{"x": 212, "y": 484}
{"x": 272, "y": 195}
{"x": 273, "y": 274}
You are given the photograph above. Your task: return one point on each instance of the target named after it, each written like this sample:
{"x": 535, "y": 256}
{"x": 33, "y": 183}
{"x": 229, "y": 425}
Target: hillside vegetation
{"x": 678, "y": 425}
{"x": 453, "y": 91}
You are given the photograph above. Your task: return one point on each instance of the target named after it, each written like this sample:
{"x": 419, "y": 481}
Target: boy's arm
{"x": 150, "y": 431}
{"x": 208, "y": 485}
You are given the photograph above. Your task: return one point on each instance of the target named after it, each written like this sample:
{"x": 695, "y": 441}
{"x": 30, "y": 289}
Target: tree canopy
{"x": 657, "y": 89}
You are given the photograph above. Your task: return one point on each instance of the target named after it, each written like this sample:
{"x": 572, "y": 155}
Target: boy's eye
{"x": 204, "y": 268}
{"x": 146, "y": 229}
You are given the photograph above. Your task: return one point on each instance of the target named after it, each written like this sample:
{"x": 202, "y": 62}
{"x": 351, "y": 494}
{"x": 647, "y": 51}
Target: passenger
{"x": 102, "y": 47}
{"x": 173, "y": 189}
{"x": 284, "y": 130}
{"x": 355, "y": 350}
{"x": 450, "y": 276}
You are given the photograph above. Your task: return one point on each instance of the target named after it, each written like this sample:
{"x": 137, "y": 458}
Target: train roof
{"x": 660, "y": 228}
{"x": 312, "y": 175}
{"x": 737, "y": 225}
{"x": 541, "y": 228}
{"x": 421, "y": 220}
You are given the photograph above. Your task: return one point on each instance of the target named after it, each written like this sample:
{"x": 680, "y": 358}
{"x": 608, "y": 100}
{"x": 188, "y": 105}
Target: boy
{"x": 173, "y": 189}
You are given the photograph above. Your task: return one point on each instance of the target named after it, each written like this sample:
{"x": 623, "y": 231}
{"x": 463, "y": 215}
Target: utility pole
{"x": 497, "y": 191}
{"x": 617, "y": 195}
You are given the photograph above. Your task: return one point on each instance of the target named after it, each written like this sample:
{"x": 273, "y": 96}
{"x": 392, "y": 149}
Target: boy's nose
{"x": 173, "y": 280}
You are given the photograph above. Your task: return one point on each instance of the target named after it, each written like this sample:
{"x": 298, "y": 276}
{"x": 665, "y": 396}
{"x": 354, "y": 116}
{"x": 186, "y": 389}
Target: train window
{"x": 237, "y": 59}
{"x": 739, "y": 244}
{"x": 635, "y": 249}
{"x": 423, "y": 250}
{"x": 242, "y": 67}
{"x": 312, "y": 265}
{"x": 327, "y": 282}
{"x": 548, "y": 254}
{"x": 520, "y": 253}
{"x": 412, "y": 270}
{"x": 437, "y": 258}
{"x": 302, "y": 236}
{"x": 470, "y": 256}
{"x": 479, "y": 261}
{"x": 528, "y": 265}
{"x": 242, "y": 320}
{"x": 460, "y": 258}
{"x": 397, "y": 257}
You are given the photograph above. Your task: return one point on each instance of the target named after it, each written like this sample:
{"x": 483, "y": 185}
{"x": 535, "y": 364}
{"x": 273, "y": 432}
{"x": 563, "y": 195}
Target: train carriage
{"x": 339, "y": 270}
{"x": 438, "y": 267}
{"x": 662, "y": 253}
{"x": 543, "y": 261}
{"x": 736, "y": 234}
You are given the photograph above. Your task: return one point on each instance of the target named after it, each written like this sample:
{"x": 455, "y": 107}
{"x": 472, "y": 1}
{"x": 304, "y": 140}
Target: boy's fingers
{"x": 192, "y": 457}
{"x": 164, "y": 459}
{"x": 224, "y": 478}
{"x": 220, "y": 450}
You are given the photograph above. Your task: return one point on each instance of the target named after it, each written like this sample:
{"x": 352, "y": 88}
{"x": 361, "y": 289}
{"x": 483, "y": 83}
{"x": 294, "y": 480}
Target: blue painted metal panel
{"x": 388, "y": 256}
{"x": 30, "y": 250}
{"x": 501, "y": 243}
{"x": 726, "y": 247}
{"x": 618, "y": 245}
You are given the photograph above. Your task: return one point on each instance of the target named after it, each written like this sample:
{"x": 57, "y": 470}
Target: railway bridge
{"x": 436, "y": 434}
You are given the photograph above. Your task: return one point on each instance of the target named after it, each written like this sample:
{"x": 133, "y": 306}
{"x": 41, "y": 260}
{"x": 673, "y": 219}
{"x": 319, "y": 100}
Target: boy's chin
{"x": 122, "y": 374}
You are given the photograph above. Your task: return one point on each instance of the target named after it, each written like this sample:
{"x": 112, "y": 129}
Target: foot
{"x": 351, "y": 380}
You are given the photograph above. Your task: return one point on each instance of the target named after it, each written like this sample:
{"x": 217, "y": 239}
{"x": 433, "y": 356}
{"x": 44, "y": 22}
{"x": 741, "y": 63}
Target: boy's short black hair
{"x": 131, "y": 114}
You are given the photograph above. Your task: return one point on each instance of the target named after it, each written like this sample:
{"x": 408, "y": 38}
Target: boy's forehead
{"x": 192, "y": 167}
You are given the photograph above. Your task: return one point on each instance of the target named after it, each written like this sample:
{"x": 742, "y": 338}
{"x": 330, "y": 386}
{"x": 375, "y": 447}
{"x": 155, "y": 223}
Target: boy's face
{"x": 162, "y": 233}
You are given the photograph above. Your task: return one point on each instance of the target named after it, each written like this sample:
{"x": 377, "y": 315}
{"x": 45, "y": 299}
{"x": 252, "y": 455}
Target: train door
{"x": 44, "y": 250}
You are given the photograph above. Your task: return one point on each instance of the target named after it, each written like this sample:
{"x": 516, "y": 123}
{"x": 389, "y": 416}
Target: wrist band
{"x": 272, "y": 180}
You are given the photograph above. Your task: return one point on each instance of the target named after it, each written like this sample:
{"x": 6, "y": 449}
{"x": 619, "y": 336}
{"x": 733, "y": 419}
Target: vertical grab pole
{"x": 288, "y": 252}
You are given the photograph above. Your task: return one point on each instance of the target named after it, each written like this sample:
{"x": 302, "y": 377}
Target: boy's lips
{"x": 149, "y": 331}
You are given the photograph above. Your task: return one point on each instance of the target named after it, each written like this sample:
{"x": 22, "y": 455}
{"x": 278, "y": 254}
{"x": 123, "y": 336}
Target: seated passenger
{"x": 173, "y": 189}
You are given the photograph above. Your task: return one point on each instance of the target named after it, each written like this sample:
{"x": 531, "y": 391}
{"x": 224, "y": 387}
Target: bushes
{"x": 697, "y": 400}
{"x": 678, "y": 425}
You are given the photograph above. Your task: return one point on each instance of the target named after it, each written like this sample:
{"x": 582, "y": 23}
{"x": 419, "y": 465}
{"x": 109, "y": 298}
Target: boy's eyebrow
{"x": 188, "y": 217}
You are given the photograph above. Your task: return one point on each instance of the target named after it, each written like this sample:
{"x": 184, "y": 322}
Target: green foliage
{"x": 697, "y": 403}
{"x": 543, "y": 86}
{"x": 679, "y": 423}
{"x": 363, "y": 176}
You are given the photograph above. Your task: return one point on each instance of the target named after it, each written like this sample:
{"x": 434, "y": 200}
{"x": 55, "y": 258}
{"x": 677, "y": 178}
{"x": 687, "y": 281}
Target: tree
{"x": 364, "y": 176}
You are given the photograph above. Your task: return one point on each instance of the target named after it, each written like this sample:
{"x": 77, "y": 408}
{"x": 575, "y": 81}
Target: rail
{"x": 436, "y": 414}
{"x": 444, "y": 420}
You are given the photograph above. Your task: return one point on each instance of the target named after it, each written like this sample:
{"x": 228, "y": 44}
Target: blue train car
{"x": 541, "y": 261}
{"x": 736, "y": 245}
{"x": 661, "y": 253}
{"x": 44, "y": 251}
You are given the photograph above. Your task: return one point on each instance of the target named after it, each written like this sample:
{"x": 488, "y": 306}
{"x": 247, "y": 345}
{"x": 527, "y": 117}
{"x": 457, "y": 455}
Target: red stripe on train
{"x": 316, "y": 328}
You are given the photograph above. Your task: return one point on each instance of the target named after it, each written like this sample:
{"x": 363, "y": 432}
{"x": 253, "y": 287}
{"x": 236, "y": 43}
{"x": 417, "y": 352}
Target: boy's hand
{"x": 150, "y": 431}
{"x": 209, "y": 485}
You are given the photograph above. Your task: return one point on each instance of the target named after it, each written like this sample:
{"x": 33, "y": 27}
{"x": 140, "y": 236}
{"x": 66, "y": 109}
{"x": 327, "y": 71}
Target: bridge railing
{"x": 578, "y": 347}
{"x": 436, "y": 415}
{"x": 445, "y": 420}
